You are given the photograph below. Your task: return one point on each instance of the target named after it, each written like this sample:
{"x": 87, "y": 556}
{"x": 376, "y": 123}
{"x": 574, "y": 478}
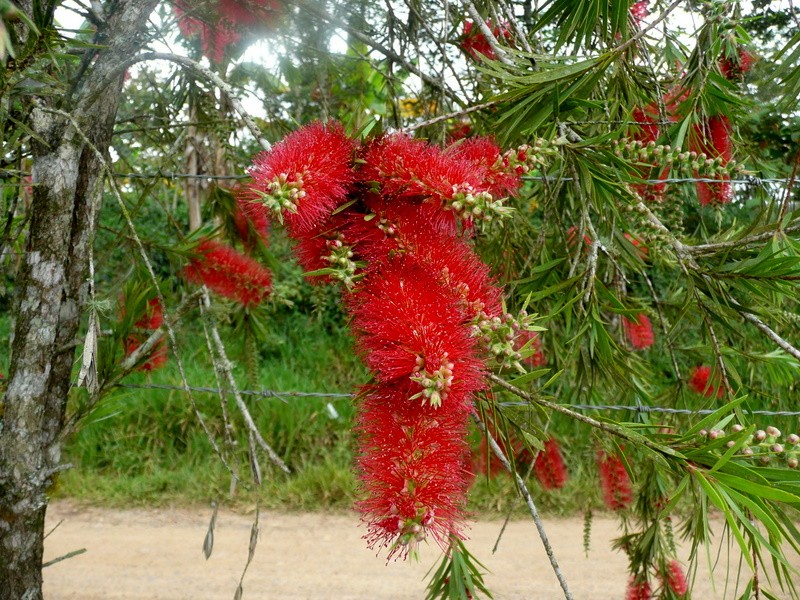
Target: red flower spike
{"x": 485, "y": 156}
{"x": 549, "y": 466}
{"x": 410, "y": 327}
{"x": 306, "y": 176}
{"x": 614, "y": 481}
{"x": 153, "y": 317}
{"x": 639, "y": 10}
{"x": 638, "y": 590}
{"x": 475, "y": 44}
{"x": 157, "y": 357}
{"x": 676, "y": 580}
{"x": 638, "y": 331}
{"x": 250, "y": 220}
{"x": 734, "y": 68}
{"x": 714, "y": 139}
{"x": 406, "y": 170}
{"x": 250, "y": 13}
{"x": 413, "y": 469}
{"x": 701, "y": 382}
{"x": 229, "y": 273}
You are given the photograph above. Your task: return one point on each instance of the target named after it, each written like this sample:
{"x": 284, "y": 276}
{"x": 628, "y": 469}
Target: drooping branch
{"x": 523, "y": 490}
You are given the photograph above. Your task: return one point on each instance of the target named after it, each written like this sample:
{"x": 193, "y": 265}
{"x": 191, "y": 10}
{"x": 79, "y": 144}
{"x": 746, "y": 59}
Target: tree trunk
{"x": 50, "y": 295}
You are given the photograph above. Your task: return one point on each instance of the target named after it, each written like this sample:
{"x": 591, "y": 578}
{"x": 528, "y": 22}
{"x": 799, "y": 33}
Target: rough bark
{"x": 50, "y": 297}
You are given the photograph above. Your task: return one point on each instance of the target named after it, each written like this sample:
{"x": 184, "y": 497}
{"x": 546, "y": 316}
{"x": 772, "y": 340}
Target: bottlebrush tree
{"x": 624, "y": 176}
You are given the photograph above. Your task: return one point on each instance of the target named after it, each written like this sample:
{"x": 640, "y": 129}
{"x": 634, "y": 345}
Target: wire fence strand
{"x": 282, "y": 395}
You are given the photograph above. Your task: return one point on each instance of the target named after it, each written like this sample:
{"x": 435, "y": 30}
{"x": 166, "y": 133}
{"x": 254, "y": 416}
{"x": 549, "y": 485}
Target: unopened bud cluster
{"x": 411, "y": 531}
{"x": 282, "y": 195}
{"x": 526, "y": 157}
{"x": 341, "y": 260}
{"x": 684, "y": 162}
{"x": 763, "y": 445}
{"x": 435, "y": 384}
{"x": 498, "y": 336}
{"x": 469, "y": 203}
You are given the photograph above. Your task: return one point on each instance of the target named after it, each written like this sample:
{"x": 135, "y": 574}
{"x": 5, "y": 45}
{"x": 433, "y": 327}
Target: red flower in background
{"x": 152, "y": 319}
{"x": 229, "y": 273}
{"x": 475, "y": 44}
{"x": 537, "y": 359}
{"x": 638, "y": 591}
{"x": 734, "y": 67}
{"x": 222, "y": 23}
{"x": 614, "y": 481}
{"x": 639, "y": 10}
{"x": 702, "y": 382}
{"x": 675, "y": 579}
{"x": 549, "y": 466}
{"x": 713, "y": 138}
{"x": 305, "y": 176}
{"x": 638, "y": 331}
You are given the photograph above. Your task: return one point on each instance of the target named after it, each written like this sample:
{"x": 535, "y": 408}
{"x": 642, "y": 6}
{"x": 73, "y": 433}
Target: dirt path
{"x": 156, "y": 554}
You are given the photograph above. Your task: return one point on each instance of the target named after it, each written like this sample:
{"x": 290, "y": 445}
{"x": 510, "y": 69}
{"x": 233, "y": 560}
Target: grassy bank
{"x": 146, "y": 447}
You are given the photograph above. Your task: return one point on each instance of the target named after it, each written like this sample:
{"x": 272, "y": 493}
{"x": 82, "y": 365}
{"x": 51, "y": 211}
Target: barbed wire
{"x": 756, "y": 181}
{"x": 281, "y": 395}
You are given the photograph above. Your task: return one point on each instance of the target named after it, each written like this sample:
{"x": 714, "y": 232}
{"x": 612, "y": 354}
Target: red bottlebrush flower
{"x": 638, "y": 590}
{"x": 614, "y": 481}
{"x": 714, "y": 139}
{"x": 734, "y": 67}
{"x": 644, "y": 251}
{"x": 410, "y": 327}
{"x": 215, "y": 35}
{"x": 229, "y": 273}
{"x": 250, "y": 13}
{"x": 537, "y": 359}
{"x": 639, "y": 10}
{"x": 412, "y": 463}
{"x": 549, "y": 466}
{"x": 459, "y": 131}
{"x": 572, "y": 237}
{"x": 305, "y": 176}
{"x": 157, "y": 357}
{"x": 501, "y": 177}
{"x": 638, "y": 331}
{"x": 251, "y": 223}
{"x": 475, "y": 44}
{"x": 153, "y": 317}
{"x": 675, "y": 579}
{"x": 701, "y": 382}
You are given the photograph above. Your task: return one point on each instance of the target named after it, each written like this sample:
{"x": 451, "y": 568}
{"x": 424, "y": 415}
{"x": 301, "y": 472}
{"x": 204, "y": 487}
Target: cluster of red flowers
{"x": 673, "y": 584}
{"x": 702, "y": 382}
{"x": 638, "y": 331}
{"x": 387, "y": 218}
{"x": 711, "y": 136}
{"x": 475, "y": 44}
{"x": 229, "y": 273}
{"x": 614, "y": 481}
{"x": 549, "y": 466}
{"x": 221, "y": 23}
{"x": 152, "y": 319}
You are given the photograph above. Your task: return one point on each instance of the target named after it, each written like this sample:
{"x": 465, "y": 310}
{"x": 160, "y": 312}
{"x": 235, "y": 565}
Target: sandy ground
{"x": 157, "y": 554}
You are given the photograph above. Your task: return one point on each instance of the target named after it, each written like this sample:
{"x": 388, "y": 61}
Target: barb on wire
{"x": 281, "y": 395}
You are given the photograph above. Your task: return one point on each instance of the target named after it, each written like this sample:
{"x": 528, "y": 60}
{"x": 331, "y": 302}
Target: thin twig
{"x": 771, "y": 334}
{"x": 223, "y": 86}
{"x": 501, "y": 54}
{"x": 50, "y": 563}
{"x": 226, "y": 367}
{"x": 523, "y": 489}
{"x": 609, "y": 428}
